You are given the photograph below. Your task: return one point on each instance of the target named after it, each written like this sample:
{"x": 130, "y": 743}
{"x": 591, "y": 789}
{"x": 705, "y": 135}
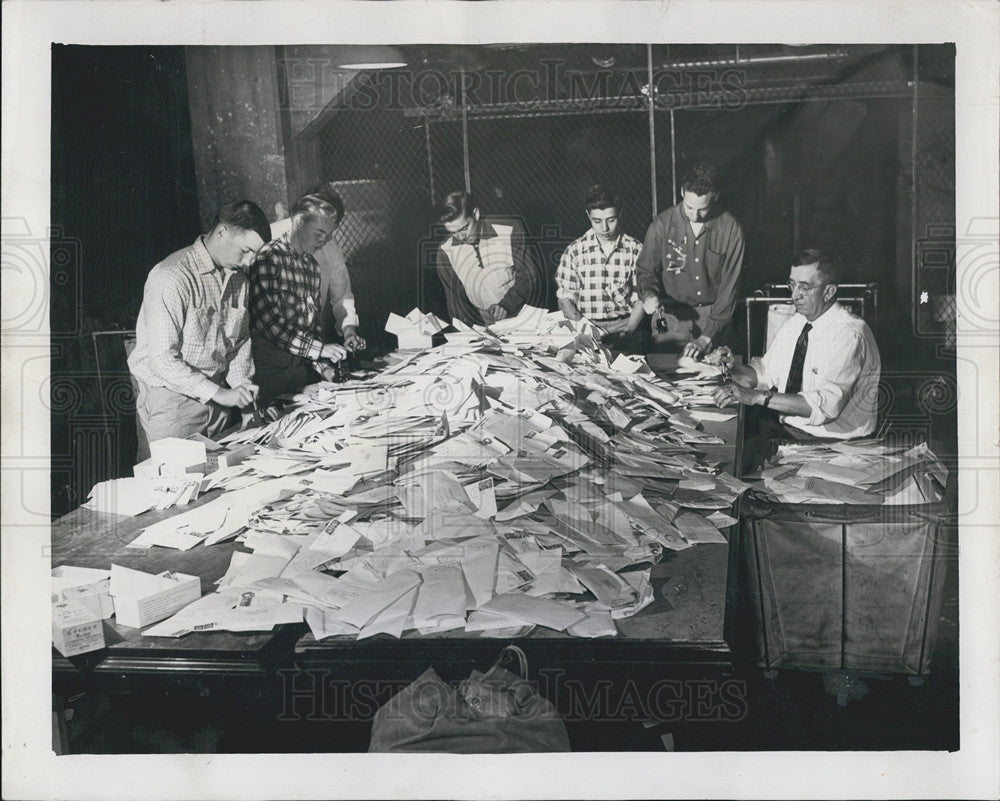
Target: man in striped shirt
{"x": 191, "y": 361}
{"x": 285, "y": 302}
{"x": 596, "y": 275}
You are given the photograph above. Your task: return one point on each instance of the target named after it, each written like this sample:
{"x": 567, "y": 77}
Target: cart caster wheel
{"x": 770, "y": 675}
{"x": 916, "y": 681}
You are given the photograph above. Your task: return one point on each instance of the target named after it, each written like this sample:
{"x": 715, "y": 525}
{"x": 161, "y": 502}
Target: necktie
{"x": 794, "y": 383}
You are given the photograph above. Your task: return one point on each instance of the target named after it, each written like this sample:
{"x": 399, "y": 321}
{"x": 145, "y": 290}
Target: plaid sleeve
{"x": 165, "y": 302}
{"x": 272, "y": 288}
{"x": 567, "y": 280}
{"x": 634, "y": 252}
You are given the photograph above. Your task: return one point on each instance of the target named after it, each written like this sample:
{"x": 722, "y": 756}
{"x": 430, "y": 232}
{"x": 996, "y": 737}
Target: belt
{"x": 608, "y": 319}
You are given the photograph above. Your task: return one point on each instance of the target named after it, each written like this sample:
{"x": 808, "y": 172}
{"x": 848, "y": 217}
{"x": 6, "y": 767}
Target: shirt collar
{"x": 203, "y": 258}
{"x": 682, "y": 219}
{"x": 828, "y": 318}
{"x": 594, "y": 238}
{"x": 485, "y": 230}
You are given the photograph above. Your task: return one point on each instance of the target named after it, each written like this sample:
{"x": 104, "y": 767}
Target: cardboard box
{"x": 416, "y": 330}
{"x": 178, "y": 452}
{"x": 75, "y": 628}
{"x": 148, "y": 469}
{"x": 96, "y": 597}
{"x": 179, "y": 471}
{"x": 88, "y": 586}
{"x": 142, "y": 599}
{"x": 236, "y": 456}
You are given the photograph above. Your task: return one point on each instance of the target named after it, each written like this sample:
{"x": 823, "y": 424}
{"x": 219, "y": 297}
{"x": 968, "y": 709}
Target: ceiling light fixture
{"x": 370, "y": 57}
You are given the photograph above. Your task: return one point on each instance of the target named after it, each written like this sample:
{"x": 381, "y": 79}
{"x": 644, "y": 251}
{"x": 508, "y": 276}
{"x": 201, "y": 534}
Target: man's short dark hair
{"x": 701, "y": 178}
{"x": 825, "y": 263}
{"x": 244, "y": 214}
{"x": 455, "y": 205}
{"x": 600, "y": 197}
{"x": 328, "y": 194}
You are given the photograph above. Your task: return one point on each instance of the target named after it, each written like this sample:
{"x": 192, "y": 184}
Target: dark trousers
{"x": 278, "y": 372}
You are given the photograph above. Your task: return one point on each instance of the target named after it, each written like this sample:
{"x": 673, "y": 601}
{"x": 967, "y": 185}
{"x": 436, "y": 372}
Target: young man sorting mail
{"x": 192, "y": 361}
{"x": 596, "y": 275}
{"x": 483, "y": 264}
{"x": 688, "y": 272}
{"x": 286, "y": 300}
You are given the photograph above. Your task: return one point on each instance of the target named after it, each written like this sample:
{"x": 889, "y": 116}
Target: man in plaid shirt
{"x": 596, "y": 275}
{"x": 191, "y": 362}
{"x": 285, "y": 302}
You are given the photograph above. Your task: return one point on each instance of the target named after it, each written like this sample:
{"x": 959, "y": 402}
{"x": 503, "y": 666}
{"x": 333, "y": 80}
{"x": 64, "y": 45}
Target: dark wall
{"x": 123, "y": 198}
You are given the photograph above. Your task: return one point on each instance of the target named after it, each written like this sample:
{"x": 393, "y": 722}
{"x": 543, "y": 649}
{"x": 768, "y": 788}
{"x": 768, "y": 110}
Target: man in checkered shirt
{"x": 286, "y": 300}
{"x": 596, "y": 275}
{"x": 191, "y": 361}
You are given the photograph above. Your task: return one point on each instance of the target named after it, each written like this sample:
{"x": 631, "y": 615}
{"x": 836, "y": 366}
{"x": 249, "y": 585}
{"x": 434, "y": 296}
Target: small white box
{"x": 142, "y": 599}
{"x": 235, "y": 456}
{"x": 416, "y": 330}
{"x": 88, "y": 586}
{"x": 75, "y": 628}
{"x": 177, "y": 452}
{"x": 180, "y": 470}
{"x": 148, "y": 469}
{"x": 96, "y": 597}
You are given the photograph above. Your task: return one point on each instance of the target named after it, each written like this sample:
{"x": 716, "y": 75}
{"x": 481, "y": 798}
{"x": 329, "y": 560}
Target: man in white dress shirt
{"x": 821, "y": 372}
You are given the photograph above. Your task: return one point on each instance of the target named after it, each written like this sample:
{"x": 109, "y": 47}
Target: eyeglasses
{"x": 802, "y": 287}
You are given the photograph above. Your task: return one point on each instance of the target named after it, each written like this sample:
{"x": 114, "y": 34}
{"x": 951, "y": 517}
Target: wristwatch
{"x": 767, "y": 398}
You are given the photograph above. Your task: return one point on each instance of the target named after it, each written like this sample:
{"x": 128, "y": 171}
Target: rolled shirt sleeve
{"x": 837, "y": 382}
{"x": 341, "y": 297}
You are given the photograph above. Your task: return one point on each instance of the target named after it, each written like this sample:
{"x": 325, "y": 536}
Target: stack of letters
{"x": 510, "y": 478}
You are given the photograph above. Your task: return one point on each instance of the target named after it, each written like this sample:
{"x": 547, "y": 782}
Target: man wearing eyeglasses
{"x": 483, "y": 264}
{"x": 822, "y": 370}
{"x": 286, "y": 299}
{"x": 689, "y": 269}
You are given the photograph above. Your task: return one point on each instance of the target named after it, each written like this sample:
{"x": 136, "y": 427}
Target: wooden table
{"x": 683, "y": 633}
{"x": 220, "y": 661}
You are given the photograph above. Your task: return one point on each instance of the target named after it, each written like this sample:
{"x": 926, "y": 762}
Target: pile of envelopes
{"x": 513, "y": 477}
{"x": 858, "y": 472}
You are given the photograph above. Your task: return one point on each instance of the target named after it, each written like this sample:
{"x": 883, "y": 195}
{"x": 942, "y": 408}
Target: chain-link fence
{"x": 811, "y": 142}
